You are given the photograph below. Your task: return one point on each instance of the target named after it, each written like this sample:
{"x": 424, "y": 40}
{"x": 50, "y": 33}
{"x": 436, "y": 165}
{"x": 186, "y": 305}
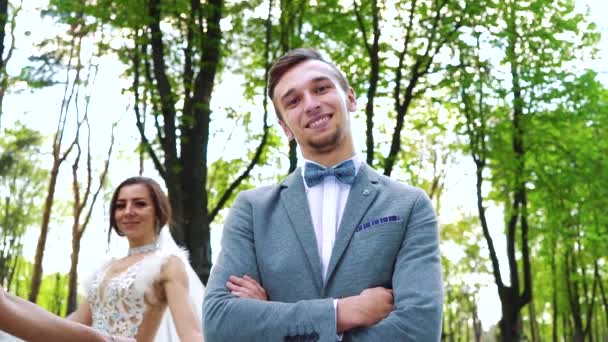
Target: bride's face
{"x": 134, "y": 214}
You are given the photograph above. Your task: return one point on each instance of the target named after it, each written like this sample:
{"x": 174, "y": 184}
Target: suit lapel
{"x": 295, "y": 202}
{"x": 361, "y": 196}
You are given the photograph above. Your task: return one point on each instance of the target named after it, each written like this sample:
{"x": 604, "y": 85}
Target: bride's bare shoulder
{"x": 174, "y": 269}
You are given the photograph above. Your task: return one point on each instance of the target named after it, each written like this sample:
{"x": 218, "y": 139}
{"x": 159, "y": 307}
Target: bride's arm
{"x": 82, "y": 315}
{"x": 28, "y": 321}
{"x": 175, "y": 283}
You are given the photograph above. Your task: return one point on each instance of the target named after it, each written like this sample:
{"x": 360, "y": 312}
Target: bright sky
{"x": 40, "y": 109}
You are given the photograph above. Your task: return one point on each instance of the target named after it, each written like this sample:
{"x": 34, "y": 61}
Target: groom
{"x": 341, "y": 251}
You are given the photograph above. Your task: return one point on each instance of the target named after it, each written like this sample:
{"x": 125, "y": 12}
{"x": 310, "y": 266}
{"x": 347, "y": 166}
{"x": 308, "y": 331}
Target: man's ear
{"x": 351, "y": 100}
{"x": 286, "y": 130}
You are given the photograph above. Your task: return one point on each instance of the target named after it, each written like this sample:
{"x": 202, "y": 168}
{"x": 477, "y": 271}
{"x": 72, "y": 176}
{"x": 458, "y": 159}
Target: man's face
{"x": 314, "y": 108}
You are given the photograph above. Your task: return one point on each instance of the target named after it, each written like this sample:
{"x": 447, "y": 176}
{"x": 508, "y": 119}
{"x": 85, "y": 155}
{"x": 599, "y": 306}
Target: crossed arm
{"x": 362, "y": 310}
{"x": 417, "y": 290}
{"x": 18, "y": 316}
{"x": 232, "y": 313}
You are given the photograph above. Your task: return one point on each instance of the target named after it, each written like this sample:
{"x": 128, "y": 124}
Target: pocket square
{"x": 375, "y": 222}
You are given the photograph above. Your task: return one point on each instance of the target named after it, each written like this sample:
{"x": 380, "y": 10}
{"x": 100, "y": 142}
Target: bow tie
{"x": 344, "y": 172}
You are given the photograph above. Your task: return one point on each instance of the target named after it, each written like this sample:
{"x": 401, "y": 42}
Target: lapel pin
{"x": 365, "y": 192}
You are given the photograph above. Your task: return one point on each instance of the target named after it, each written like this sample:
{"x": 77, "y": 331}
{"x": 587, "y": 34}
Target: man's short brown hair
{"x": 293, "y": 58}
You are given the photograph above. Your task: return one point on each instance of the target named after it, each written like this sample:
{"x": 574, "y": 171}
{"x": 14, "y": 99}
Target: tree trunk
{"x": 567, "y": 327}
{"x": 477, "y": 330}
{"x": 602, "y": 292}
{"x": 293, "y": 156}
{"x": 59, "y": 156}
{"x": 288, "y": 33}
{"x": 374, "y": 74}
{"x": 44, "y": 229}
{"x": 511, "y": 299}
{"x": 422, "y": 62}
{"x": 73, "y": 277}
{"x": 3, "y": 74}
{"x": 510, "y": 329}
{"x": 57, "y": 297}
{"x": 533, "y": 328}
{"x": 554, "y": 289}
{"x": 573, "y": 298}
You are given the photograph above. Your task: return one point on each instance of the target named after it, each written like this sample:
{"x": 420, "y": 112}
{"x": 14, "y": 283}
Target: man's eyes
{"x": 322, "y": 89}
{"x": 292, "y": 102}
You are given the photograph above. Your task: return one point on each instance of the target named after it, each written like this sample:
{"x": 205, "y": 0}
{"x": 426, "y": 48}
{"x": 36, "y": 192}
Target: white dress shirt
{"x": 326, "y": 201}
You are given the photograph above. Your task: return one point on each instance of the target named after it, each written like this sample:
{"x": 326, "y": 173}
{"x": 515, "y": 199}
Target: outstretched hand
{"x": 119, "y": 339}
{"x": 246, "y": 287}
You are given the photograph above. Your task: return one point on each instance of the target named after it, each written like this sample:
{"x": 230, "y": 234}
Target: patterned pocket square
{"x": 375, "y": 222}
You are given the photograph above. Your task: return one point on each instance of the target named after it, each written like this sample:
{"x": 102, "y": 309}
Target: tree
{"x": 83, "y": 204}
{"x": 462, "y": 279}
{"x": 498, "y": 129}
{"x": 68, "y": 56}
{"x": 8, "y": 14}
{"x": 21, "y": 181}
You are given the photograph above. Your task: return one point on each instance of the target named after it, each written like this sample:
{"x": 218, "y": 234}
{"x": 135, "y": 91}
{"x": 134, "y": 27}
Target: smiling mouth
{"x": 319, "y": 122}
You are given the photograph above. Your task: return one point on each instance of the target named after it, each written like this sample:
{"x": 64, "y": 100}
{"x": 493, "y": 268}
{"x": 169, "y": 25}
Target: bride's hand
{"x": 246, "y": 287}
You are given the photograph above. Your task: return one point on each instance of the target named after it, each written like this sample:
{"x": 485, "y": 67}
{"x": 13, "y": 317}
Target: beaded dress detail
{"x": 117, "y": 304}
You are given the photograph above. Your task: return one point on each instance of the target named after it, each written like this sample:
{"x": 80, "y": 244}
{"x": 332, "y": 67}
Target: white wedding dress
{"x": 118, "y": 308}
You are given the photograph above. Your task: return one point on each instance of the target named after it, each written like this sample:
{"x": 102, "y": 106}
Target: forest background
{"x": 497, "y": 108}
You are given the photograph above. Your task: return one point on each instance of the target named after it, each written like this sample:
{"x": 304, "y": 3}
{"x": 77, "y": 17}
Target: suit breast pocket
{"x": 372, "y": 253}
{"x": 383, "y": 236}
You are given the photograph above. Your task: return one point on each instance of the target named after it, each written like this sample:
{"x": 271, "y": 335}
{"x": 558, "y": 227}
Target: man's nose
{"x": 311, "y": 103}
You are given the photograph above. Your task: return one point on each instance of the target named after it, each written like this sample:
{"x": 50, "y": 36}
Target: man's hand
{"x": 246, "y": 287}
{"x": 364, "y": 310}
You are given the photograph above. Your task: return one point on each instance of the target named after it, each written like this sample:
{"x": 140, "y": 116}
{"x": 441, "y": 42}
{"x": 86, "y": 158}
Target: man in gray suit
{"x": 341, "y": 251}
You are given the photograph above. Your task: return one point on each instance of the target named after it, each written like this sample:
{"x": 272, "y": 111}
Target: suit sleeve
{"x": 417, "y": 284}
{"x": 228, "y": 318}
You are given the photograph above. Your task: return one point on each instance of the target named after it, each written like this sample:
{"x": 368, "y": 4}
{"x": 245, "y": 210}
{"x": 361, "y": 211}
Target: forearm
{"x": 234, "y": 319}
{"x": 193, "y": 336}
{"x": 348, "y": 314}
{"x": 412, "y": 324}
{"x": 21, "y": 316}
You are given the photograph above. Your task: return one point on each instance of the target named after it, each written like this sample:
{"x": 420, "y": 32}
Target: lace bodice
{"x": 117, "y": 305}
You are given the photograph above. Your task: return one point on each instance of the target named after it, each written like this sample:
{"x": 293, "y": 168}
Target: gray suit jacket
{"x": 388, "y": 237}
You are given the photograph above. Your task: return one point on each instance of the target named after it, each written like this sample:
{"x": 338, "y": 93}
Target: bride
{"x": 152, "y": 294}
{"x": 128, "y": 298}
